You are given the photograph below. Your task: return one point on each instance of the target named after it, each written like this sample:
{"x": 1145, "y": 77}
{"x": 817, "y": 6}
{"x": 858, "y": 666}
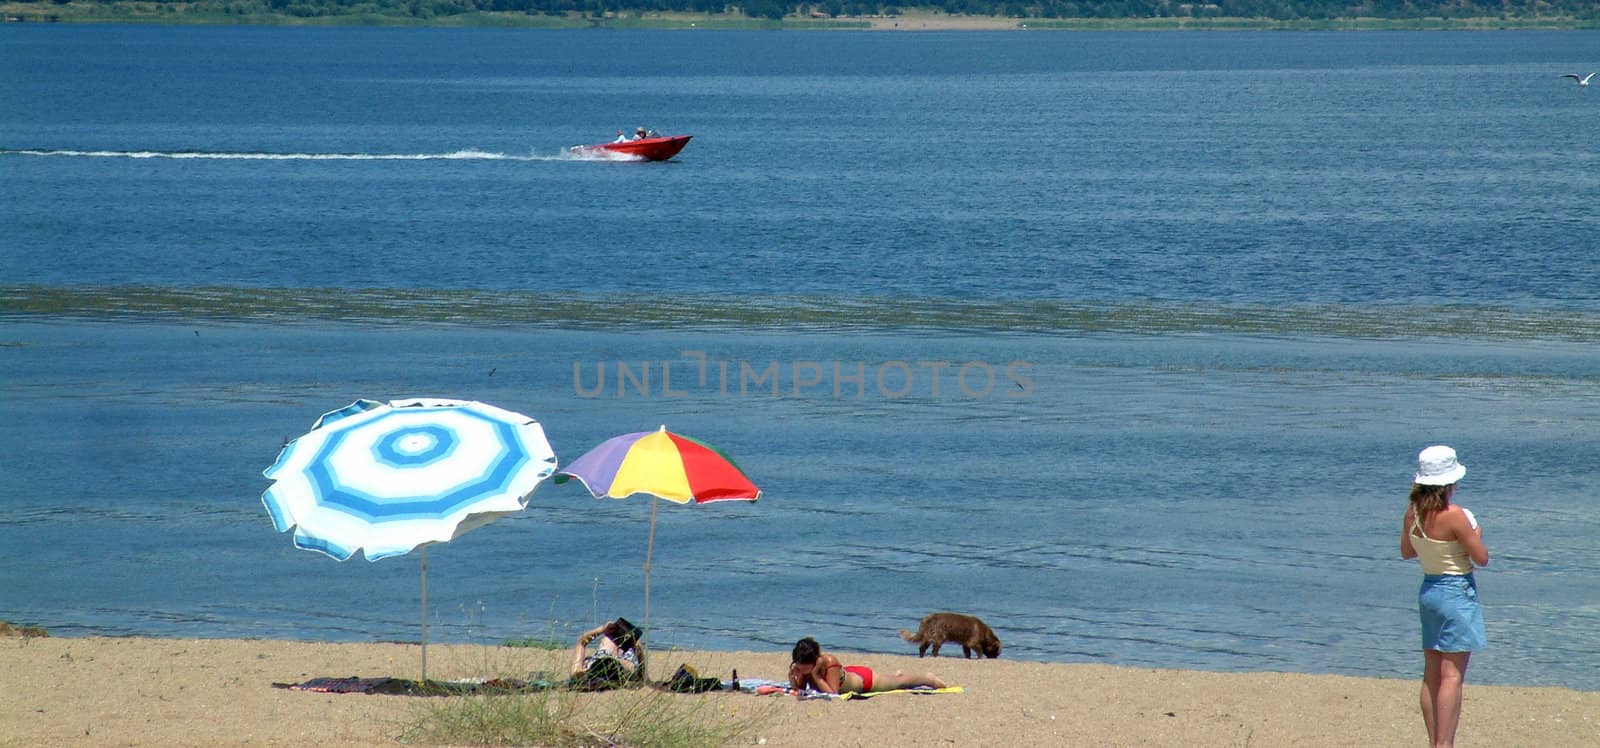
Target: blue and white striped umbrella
{"x": 385, "y": 478}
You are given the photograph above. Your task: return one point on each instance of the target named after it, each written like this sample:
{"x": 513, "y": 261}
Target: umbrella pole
{"x": 424, "y": 614}
{"x": 649, "y": 550}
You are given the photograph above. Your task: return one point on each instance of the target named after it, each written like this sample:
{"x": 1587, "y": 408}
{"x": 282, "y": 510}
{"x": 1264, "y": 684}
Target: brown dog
{"x": 938, "y": 628}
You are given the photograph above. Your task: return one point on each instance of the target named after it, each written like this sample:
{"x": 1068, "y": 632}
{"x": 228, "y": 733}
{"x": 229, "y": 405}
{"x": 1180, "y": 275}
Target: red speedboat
{"x": 654, "y": 149}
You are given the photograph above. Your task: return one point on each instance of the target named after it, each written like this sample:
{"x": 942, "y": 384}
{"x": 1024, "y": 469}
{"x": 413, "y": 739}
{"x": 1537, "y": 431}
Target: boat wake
{"x": 587, "y": 153}
{"x": 468, "y": 154}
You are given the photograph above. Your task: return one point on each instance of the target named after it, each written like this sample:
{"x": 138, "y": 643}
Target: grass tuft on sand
{"x": 536, "y": 642}
{"x": 26, "y": 632}
{"x": 538, "y": 718}
{"x": 643, "y": 716}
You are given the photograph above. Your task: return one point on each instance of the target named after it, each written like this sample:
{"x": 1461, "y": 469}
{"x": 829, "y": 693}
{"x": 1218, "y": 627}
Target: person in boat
{"x": 621, "y": 138}
{"x": 811, "y": 668}
{"x": 641, "y": 134}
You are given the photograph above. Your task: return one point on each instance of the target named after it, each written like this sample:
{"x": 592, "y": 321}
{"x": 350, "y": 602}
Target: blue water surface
{"x": 1124, "y": 342}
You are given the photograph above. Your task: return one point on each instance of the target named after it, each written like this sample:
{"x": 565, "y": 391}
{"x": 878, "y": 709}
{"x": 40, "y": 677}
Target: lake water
{"x": 1123, "y": 342}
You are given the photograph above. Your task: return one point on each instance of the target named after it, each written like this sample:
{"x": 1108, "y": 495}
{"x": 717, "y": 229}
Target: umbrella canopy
{"x": 386, "y": 478}
{"x": 664, "y": 465}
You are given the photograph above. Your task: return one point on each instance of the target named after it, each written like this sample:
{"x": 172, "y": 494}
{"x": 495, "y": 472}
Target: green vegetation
{"x": 1310, "y": 24}
{"x": 535, "y": 642}
{"x": 555, "y": 716}
{"x": 27, "y": 632}
{"x": 830, "y": 14}
{"x": 633, "y": 717}
{"x": 512, "y": 719}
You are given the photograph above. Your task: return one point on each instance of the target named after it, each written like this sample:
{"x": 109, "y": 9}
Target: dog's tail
{"x": 910, "y": 637}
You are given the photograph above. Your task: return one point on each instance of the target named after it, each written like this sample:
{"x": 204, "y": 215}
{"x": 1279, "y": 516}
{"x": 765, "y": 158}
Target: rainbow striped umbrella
{"x": 665, "y": 466}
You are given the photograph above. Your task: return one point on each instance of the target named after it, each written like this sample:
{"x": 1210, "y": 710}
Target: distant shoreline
{"x": 910, "y": 21}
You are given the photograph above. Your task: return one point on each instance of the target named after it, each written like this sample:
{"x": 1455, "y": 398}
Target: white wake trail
{"x": 469, "y": 154}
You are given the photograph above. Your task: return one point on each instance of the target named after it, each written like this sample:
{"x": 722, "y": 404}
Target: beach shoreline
{"x": 908, "y": 20}
{"x": 179, "y": 692}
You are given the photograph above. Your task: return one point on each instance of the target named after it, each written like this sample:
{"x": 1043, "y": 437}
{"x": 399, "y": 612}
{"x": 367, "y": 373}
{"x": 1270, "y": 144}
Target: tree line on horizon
{"x": 1276, "y": 10}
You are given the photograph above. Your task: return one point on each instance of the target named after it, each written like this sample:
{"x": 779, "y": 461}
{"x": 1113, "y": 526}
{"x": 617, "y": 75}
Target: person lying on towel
{"x": 616, "y": 658}
{"x": 811, "y": 668}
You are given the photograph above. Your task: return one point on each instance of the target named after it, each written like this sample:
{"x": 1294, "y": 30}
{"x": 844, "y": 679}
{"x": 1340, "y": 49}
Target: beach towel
{"x": 349, "y": 685}
{"x": 763, "y": 687}
{"x": 407, "y": 687}
{"x": 756, "y": 685}
{"x": 770, "y": 687}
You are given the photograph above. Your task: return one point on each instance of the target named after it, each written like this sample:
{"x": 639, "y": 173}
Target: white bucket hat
{"x": 1437, "y": 466}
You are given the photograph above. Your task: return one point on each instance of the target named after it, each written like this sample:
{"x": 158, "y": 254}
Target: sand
{"x": 941, "y": 22}
{"x": 188, "y": 692}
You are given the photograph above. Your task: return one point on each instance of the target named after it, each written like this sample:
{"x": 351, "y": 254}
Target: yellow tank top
{"x": 1439, "y": 556}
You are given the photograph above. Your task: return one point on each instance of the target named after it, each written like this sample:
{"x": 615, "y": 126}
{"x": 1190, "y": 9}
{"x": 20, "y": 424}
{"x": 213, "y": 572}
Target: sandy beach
{"x": 188, "y": 692}
{"x": 941, "y": 22}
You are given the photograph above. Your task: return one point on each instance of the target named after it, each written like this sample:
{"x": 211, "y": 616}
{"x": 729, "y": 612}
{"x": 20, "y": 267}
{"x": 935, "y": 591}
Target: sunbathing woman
{"x": 811, "y": 668}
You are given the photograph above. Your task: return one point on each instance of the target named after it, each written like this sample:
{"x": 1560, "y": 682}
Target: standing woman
{"x": 1447, "y": 540}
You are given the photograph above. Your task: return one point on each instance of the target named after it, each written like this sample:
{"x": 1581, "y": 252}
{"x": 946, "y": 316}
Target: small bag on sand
{"x": 688, "y": 680}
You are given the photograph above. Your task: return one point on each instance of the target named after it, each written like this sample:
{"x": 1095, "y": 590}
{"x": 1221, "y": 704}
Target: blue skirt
{"x": 1452, "y": 620}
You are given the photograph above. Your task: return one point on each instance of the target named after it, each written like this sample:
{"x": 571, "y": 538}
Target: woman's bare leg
{"x": 1430, "y": 689}
{"x": 577, "y": 659}
{"x": 883, "y": 682}
{"x": 1447, "y": 700}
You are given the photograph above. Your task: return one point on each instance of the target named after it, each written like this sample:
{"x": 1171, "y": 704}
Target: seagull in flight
{"x": 1584, "y": 81}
